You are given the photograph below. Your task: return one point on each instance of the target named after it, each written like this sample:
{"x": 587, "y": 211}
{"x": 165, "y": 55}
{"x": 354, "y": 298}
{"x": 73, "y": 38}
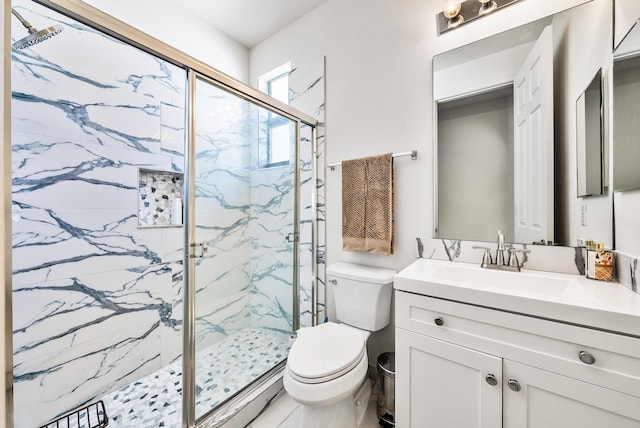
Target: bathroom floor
{"x": 284, "y": 414}
{"x": 221, "y": 370}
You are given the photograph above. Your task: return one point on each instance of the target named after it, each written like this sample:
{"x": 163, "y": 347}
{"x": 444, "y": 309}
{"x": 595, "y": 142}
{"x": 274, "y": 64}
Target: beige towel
{"x": 367, "y": 205}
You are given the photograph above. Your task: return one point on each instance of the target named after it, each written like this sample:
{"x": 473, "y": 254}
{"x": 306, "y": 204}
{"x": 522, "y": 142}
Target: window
{"x": 275, "y": 148}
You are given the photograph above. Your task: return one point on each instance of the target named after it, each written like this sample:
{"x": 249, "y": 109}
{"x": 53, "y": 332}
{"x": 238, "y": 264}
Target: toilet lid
{"x": 325, "y": 352}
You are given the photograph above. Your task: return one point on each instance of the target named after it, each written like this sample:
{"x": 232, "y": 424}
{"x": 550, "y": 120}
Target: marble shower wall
{"x": 222, "y": 213}
{"x": 96, "y": 300}
{"x": 307, "y": 94}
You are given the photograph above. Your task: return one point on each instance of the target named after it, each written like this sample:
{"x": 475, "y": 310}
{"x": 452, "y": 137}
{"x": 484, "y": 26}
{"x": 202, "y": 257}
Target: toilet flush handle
{"x": 333, "y": 281}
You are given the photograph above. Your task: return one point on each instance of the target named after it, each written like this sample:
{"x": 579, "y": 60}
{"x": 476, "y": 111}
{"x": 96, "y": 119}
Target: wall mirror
{"x": 505, "y": 132}
{"x": 589, "y": 139}
{"x": 626, "y": 112}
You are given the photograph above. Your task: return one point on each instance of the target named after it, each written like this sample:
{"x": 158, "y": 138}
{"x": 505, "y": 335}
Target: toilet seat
{"x": 325, "y": 352}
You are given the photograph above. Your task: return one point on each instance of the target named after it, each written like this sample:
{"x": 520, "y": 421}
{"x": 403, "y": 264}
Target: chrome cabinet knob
{"x": 439, "y": 321}
{"x": 586, "y": 357}
{"x": 514, "y": 385}
{"x": 491, "y": 379}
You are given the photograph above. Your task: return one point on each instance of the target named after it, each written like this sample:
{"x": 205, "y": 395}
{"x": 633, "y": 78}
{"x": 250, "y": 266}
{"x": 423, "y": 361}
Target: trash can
{"x": 387, "y": 389}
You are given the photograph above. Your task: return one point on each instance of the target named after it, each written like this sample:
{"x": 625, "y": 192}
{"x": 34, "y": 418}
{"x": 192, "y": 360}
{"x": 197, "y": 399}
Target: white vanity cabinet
{"x": 440, "y": 384}
{"x": 550, "y": 400}
{"x": 461, "y": 365}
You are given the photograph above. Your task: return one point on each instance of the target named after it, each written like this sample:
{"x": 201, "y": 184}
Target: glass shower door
{"x": 243, "y": 250}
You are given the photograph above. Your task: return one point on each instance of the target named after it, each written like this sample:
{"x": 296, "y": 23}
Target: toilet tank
{"x": 362, "y": 294}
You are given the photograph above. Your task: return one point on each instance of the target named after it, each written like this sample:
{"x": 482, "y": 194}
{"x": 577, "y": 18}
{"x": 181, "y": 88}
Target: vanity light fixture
{"x": 487, "y": 6}
{"x": 459, "y": 12}
{"x": 452, "y": 13}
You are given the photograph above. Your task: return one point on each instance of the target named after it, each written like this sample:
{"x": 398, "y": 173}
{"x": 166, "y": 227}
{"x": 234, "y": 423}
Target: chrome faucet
{"x": 501, "y": 249}
{"x": 511, "y": 263}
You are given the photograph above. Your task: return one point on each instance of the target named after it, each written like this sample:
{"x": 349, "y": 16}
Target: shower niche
{"x": 160, "y": 198}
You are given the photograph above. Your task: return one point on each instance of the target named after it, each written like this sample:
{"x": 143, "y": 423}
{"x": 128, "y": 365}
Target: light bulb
{"x": 451, "y": 9}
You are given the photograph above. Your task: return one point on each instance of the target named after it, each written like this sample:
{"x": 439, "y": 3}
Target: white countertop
{"x": 563, "y": 297}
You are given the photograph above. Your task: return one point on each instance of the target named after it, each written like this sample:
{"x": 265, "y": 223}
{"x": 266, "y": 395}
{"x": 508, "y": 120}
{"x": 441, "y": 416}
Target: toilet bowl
{"x": 326, "y": 369}
{"x": 327, "y": 364}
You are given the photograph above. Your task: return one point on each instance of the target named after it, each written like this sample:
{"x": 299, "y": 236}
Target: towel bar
{"x": 412, "y": 153}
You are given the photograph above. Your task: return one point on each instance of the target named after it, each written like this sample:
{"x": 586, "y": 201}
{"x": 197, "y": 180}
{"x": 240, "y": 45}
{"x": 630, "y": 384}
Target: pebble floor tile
{"x": 221, "y": 370}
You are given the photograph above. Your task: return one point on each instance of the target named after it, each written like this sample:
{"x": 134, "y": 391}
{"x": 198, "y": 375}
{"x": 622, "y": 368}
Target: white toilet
{"x": 327, "y": 364}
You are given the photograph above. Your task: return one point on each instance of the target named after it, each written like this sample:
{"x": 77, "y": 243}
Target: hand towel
{"x": 367, "y": 204}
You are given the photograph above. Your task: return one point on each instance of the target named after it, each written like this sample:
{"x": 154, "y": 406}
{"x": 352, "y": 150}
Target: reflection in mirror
{"x": 626, "y": 112}
{"x": 589, "y": 137}
{"x": 475, "y": 142}
{"x": 508, "y": 161}
{"x": 495, "y": 146}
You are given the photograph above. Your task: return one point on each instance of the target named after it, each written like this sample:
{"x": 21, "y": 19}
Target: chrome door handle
{"x": 586, "y": 357}
{"x": 491, "y": 379}
{"x": 193, "y": 249}
{"x": 291, "y": 237}
{"x": 514, "y": 385}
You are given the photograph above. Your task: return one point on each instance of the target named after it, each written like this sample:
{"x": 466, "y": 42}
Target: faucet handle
{"x": 513, "y": 258}
{"x": 486, "y": 258}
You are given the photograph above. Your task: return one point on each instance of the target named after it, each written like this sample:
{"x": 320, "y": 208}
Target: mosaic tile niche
{"x": 159, "y": 198}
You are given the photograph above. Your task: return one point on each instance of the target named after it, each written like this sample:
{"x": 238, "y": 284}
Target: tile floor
{"x": 282, "y": 414}
{"x": 156, "y": 400}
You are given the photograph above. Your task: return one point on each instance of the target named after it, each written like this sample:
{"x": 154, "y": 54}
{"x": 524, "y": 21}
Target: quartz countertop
{"x": 567, "y": 298}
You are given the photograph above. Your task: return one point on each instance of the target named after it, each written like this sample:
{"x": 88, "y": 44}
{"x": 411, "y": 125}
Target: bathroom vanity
{"x": 480, "y": 348}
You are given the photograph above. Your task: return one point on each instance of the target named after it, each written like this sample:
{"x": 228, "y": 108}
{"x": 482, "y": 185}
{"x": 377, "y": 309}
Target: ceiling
{"x": 250, "y": 21}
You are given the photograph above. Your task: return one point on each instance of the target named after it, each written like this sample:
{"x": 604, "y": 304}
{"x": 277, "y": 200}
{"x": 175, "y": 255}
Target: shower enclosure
{"x": 161, "y": 262}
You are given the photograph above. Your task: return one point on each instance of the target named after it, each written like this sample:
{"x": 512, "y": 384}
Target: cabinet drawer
{"x": 599, "y": 357}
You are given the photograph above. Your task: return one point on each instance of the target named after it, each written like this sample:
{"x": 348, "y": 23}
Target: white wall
{"x": 582, "y": 42}
{"x": 179, "y": 27}
{"x": 379, "y": 99}
{"x": 627, "y": 13}
{"x": 475, "y": 167}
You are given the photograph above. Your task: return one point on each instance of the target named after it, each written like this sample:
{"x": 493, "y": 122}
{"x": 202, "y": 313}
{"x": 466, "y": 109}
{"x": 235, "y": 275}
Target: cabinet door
{"x": 439, "y": 384}
{"x": 550, "y": 400}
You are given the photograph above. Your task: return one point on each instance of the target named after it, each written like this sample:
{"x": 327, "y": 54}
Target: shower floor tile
{"x": 221, "y": 370}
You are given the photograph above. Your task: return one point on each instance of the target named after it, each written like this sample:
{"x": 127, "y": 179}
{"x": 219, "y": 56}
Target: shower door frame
{"x": 113, "y": 27}
{"x": 191, "y": 244}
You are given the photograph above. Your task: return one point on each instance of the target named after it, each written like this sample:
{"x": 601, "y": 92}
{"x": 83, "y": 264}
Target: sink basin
{"x": 563, "y": 297}
{"x": 523, "y": 282}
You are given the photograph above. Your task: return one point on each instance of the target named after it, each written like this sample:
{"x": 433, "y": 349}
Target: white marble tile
{"x": 98, "y": 301}
{"x": 286, "y": 413}
{"x": 549, "y": 258}
{"x": 306, "y": 83}
{"x": 173, "y": 133}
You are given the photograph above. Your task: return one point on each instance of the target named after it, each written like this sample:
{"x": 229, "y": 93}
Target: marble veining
{"x": 626, "y": 267}
{"x": 97, "y": 299}
{"x": 307, "y": 94}
{"x": 540, "y": 257}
